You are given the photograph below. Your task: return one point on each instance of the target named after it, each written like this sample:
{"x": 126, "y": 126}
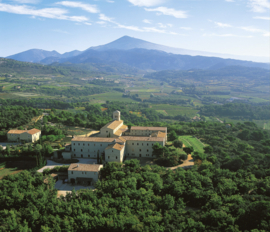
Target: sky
{"x": 237, "y": 27}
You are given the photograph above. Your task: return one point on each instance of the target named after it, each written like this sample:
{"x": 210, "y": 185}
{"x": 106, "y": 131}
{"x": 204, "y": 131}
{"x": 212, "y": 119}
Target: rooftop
{"x": 158, "y": 134}
{"x": 150, "y": 139}
{"x": 31, "y": 132}
{"x": 149, "y": 128}
{"x": 113, "y": 125}
{"x": 116, "y": 146}
{"x": 96, "y": 139}
{"x": 85, "y": 167}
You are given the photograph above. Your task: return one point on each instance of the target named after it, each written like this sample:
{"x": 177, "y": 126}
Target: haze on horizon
{"x": 237, "y": 27}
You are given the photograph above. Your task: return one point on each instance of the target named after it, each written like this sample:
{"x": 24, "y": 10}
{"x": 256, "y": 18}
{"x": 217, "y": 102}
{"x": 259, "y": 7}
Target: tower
{"x": 117, "y": 115}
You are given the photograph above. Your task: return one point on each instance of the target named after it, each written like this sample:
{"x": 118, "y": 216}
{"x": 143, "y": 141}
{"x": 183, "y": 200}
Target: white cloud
{"x": 169, "y": 11}
{"x": 186, "y": 28}
{"x": 229, "y": 0}
{"x": 252, "y": 29}
{"x": 259, "y": 5}
{"x": 105, "y": 18}
{"x": 133, "y": 28}
{"x": 101, "y": 22}
{"x": 161, "y": 25}
{"x": 147, "y": 21}
{"x": 222, "y": 24}
{"x": 146, "y": 2}
{"x": 226, "y": 35}
{"x": 110, "y": 1}
{"x": 86, "y": 7}
{"x": 261, "y": 17}
{"x": 153, "y": 29}
{"x": 267, "y": 34}
{"x": 52, "y": 13}
{"x": 27, "y": 1}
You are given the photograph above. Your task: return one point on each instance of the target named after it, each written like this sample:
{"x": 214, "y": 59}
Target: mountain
{"x": 157, "y": 60}
{"x": 36, "y": 55}
{"x": 127, "y": 43}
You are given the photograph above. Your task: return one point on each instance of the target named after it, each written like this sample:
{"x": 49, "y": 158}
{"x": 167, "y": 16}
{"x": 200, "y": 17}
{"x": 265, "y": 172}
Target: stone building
{"x": 84, "y": 174}
{"x": 115, "y": 142}
{"x": 32, "y": 135}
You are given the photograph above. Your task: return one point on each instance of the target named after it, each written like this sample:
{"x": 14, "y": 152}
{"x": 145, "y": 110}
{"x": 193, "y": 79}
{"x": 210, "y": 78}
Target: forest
{"x": 15, "y": 116}
{"x": 135, "y": 198}
{"x": 237, "y": 111}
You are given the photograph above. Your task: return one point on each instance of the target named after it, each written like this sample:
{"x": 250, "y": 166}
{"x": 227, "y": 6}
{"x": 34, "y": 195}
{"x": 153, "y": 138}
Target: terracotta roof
{"x": 112, "y": 125}
{"x": 149, "y": 128}
{"x": 150, "y": 139}
{"x": 122, "y": 139}
{"x": 33, "y": 131}
{"x": 16, "y": 131}
{"x": 116, "y": 146}
{"x": 85, "y": 167}
{"x": 118, "y": 133}
{"x": 158, "y": 134}
{"x": 96, "y": 139}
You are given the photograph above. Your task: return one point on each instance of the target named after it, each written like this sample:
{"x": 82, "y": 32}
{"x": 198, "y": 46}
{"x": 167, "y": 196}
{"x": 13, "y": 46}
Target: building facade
{"x": 32, "y": 135}
{"x": 84, "y": 174}
{"x": 115, "y": 142}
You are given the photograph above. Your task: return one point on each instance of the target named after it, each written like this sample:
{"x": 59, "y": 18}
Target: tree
{"x": 173, "y": 136}
{"x": 8, "y": 150}
{"x": 177, "y": 143}
{"x": 208, "y": 149}
{"x": 157, "y": 150}
{"x": 188, "y": 150}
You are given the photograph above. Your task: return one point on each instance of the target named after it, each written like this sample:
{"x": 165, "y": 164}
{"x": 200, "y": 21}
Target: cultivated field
{"x": 191, "y": 141}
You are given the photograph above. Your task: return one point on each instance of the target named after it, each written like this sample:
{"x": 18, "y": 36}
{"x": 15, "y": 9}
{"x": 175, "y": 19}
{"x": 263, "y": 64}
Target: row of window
{"x": 142, "y": 144}
{"x": 83, "y": 156}
{"x": 109, "y": 157}
{"x": 84, "y": 144}
{"x": 84, "y": 173}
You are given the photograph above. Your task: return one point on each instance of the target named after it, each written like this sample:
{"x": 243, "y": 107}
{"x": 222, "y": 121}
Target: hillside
{"x": 157, "y": 60}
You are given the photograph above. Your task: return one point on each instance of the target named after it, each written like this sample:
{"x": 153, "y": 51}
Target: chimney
{"x": 77, "y": 165}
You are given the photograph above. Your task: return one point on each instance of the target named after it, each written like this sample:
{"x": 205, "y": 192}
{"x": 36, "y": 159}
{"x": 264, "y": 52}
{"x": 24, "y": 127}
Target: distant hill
{"x": 235, "y": 73}
{"x": 127, "y": 43}
{"x": 157, "y": 60}
{"x": 124, "y": 43}
{"x": 36, "y": 55}
{"x": 26, "y": 69}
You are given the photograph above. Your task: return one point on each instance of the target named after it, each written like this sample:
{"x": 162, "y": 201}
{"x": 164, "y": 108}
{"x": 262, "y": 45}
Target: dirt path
{"x": 188, "y": 163}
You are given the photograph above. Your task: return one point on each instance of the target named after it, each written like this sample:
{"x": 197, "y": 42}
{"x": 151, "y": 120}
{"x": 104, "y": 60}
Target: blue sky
{"x": 239, "y": 27}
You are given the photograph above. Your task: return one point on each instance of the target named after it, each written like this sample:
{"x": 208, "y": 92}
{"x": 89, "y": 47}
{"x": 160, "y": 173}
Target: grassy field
{"x": 191, "y": 141}
{"x": 112, "y": 96}
{"x": 174, "y": 110}
{"x": 7, "y": 171}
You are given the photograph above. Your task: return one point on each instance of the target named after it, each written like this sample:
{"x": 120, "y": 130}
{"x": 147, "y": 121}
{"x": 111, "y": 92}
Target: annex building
{"x": 32, "y": 135}
{"x": 116, "y": 141}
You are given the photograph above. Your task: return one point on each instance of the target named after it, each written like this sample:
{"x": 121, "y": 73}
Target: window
{"x": 101, "y": 145}
{"x": 88, "y": 144}
{"x": 147, "y": 150}
{"x": 95, "y": 173}
{"x": 147, "y": 144}
{"x": 142, "y": 144}
{"x": 112, "y": 150}
{"x": 132, "y": 143}
{"x": 74, "y": 155}
{"x": 82, "y": 172}
{"x": 71, "y": 172}
{"x": 85, "y": 173}
{"x": 108, "y": 157}
{"x": 79, "y": 144}
{"x": 94, "y": 144}
{"x": 89, "y": 156}
{"x": 116, "y": 157}
{"x": 74, "y": 149}
{"x": 137, "y": 143}
{"x": 83, "y": 144}
{"x": 140, "y": 149}
{"x": 81, "y": 149}
{"x": 74, "y": 144}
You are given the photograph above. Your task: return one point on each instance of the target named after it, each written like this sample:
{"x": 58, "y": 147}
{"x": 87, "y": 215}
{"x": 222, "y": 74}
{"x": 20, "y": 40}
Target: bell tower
{"x": 117, "y": 115}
